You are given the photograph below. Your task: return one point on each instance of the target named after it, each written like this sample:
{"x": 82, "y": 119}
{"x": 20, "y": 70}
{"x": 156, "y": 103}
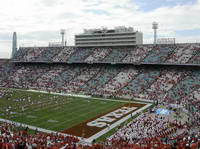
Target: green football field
{"x": 48, "y": 111}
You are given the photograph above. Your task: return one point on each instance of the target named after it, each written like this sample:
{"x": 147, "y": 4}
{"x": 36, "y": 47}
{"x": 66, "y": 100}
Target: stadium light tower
{"x": 155, "y": 27}
{"x": 62, "y": 32}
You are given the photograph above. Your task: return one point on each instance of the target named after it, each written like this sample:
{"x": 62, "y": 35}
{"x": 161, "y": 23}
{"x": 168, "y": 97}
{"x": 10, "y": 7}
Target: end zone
{"x": 98, "y": 126}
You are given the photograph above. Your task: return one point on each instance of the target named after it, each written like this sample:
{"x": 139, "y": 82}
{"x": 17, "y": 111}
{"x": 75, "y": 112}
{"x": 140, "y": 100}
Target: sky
{"x": 38, "y": 22}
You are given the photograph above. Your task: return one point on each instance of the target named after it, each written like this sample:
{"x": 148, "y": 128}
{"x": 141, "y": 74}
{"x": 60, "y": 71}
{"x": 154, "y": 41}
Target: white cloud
{"x": 38, "y": 17}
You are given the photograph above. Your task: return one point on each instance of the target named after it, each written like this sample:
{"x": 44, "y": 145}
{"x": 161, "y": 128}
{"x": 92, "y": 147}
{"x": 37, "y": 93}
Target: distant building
{"x": 55, "y": 44}
{"x": 166, "y": 41}
{"x": 14, "y": 44}
{"x": 119, "y": 36}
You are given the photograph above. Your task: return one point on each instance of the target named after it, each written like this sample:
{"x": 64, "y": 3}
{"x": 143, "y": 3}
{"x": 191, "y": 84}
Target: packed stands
{"x": 170, "y": 54}
{"x": 149, "y": 130}
{"x": 146, "y": 82}
{"x": 64, "y": 55}
{"x": 5, "y": 68}
{"x": 98, "y": 54}
{"x": 138, "y": 54}
{"x": 79, "y": 55}
{"x": 162, "y": 73}
{"x": 14, "y": 137}
{"x": 183, "y": 54}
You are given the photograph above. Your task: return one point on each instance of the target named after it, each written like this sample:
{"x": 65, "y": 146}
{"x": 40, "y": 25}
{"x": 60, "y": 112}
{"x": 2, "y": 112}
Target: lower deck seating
{"x": 171, "y": 84}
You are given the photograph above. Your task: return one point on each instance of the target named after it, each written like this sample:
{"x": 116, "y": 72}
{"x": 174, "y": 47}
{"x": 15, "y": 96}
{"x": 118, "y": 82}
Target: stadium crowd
{"x": 152, "y": 130}
{"x": 171, "y": 85}
{"x": 14, "y": 137}
{"x": 5, "y": 93}
{"x": 179, "y": 53}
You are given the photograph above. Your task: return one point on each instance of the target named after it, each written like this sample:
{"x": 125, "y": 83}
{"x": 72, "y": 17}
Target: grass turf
{"x": 51, "y": 112}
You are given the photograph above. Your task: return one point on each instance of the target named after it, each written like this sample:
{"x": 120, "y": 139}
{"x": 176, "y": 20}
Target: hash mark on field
{"x": 52, "y": 121}
{"x": 31, "y": 116}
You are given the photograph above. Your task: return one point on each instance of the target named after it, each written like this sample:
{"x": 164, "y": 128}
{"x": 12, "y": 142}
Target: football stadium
{"x": 110, "y": 90}
{"x": 106, "y": 92}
